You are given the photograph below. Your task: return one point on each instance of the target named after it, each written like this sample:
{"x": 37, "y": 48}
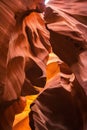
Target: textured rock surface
{"x": 56, "y": 108}
{"x": 67, "y": 22}
{"x": 24, "y": 47}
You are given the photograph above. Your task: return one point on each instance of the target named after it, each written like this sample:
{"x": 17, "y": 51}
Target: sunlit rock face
{"x": 67, "y": 23}
{"x": 62, "y": 102}
{"x": 24, "y": 47}
{"x": 22, "y": 52}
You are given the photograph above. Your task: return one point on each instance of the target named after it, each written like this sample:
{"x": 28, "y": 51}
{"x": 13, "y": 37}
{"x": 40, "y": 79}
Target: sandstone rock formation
{"x": 67, "y": 23}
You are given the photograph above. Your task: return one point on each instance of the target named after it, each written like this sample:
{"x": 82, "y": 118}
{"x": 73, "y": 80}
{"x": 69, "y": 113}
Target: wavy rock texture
{"x": 62, "y": 104}
{"x": 56, "y": 108}
{"x": 67, "y": 23}
{"x": 24, "y": 48}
